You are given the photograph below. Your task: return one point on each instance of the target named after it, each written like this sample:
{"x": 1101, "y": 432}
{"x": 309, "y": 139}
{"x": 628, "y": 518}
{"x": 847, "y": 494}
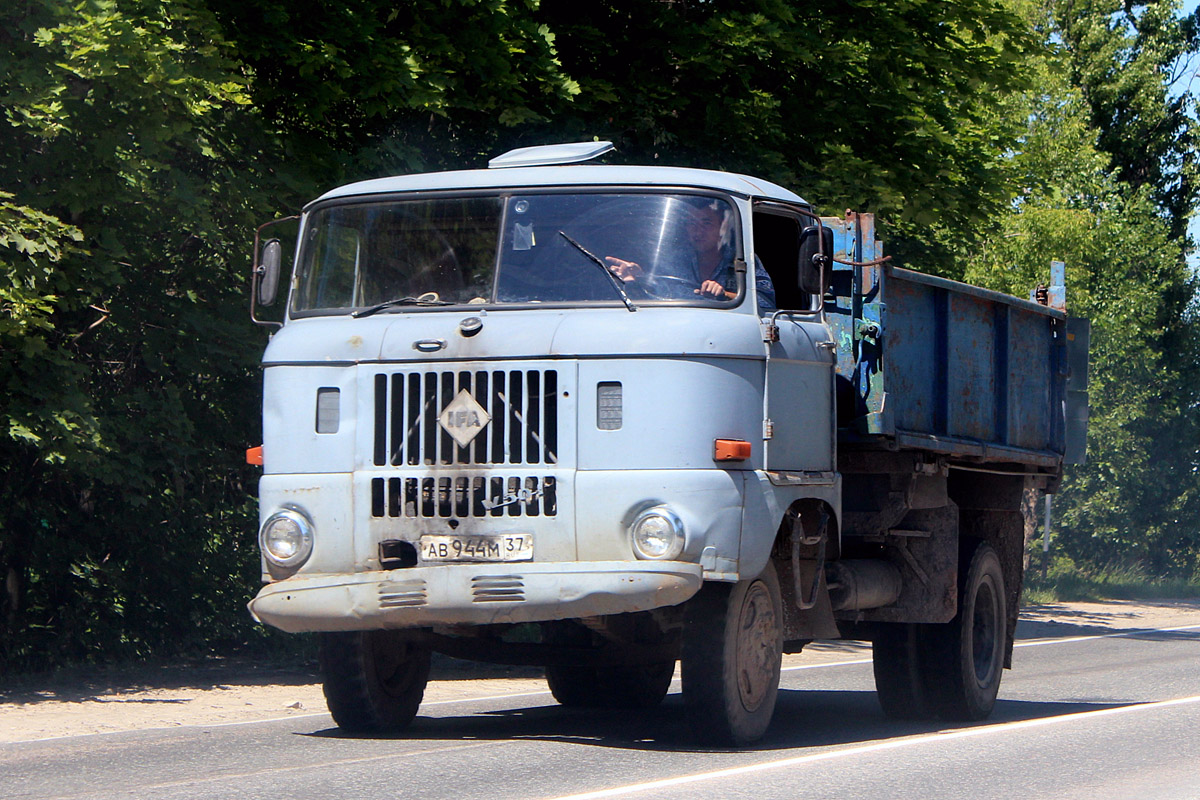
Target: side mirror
{"x": 268, "y": 271}
{"x": 815, "y": 267}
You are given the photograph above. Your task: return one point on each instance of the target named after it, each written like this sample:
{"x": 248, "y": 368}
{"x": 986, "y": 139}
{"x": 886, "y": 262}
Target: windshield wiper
{"x": 400, "y": 301}
{"x": 616, "y": 280}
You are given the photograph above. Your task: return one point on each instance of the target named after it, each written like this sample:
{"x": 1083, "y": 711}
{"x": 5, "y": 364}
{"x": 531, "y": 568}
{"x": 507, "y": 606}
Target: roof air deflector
{"x": 551, "y": 154}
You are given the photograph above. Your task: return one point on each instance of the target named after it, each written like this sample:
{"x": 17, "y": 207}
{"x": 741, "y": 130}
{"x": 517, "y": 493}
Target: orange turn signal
{"x": 254, "y": 456}
{"x": 730, "y": 450}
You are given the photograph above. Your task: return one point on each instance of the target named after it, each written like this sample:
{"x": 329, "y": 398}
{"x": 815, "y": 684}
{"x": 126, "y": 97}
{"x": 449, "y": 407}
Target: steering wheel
{"x": 667, "y": 287}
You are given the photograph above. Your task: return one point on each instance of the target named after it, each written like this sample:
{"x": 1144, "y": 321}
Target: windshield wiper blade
{"x": 616, "y": 280}
{"x": 400, "y": 301}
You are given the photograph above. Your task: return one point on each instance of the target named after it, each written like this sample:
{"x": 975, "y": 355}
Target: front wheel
{"x": 373, "y": 680}
{"x": 639, "y": 686}
{"x": 731, "y": 658}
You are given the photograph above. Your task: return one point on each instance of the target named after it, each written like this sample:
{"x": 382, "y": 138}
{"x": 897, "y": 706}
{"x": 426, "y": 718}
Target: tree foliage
{"x": 129, "y": 179}
{"x": 1125, "y": 57}
{"x": 143, "y": 139}
{"x": 1135, "y": 500}
{"x": 880, "y": 105}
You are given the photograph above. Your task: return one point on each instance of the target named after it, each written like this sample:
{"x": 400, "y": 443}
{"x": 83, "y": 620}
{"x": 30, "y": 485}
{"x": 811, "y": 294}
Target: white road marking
{"x": 163, "y": 728}
{"x": 302, "y": 768}
{"x": 959, "y": 733}
{"x": 492, "y": 697}
{"x": 1031, "y": 643}
{"x": 1131, "y": 632}
{"x": 827, "y": 664}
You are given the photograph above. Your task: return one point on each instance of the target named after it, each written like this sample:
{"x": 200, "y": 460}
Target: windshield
{"x": 530, "y": 248}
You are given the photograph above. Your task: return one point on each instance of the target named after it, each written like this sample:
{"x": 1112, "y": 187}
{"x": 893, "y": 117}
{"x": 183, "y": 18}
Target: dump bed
{"x": 931, "y": 364}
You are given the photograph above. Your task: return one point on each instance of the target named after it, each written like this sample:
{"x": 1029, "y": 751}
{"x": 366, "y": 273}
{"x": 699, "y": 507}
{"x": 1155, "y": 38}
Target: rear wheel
{"x": 373, "y": 680}
{"x": 951, "y": 670}
{"x": 731, "y": 658}
{"x": 968, "y": 652}
{"x": 899, "y": 681}
{"x": 632, "y": 687}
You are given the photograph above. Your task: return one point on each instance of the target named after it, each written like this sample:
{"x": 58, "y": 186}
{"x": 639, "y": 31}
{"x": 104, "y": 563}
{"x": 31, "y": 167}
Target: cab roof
{"x": 575, "y": 175}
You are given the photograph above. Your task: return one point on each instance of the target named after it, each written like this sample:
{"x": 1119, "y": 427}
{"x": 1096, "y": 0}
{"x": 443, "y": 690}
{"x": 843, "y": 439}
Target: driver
{"x": 708, "y": 228}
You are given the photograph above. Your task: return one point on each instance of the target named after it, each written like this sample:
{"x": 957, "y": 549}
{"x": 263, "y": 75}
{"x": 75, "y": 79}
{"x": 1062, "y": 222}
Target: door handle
{"x": 429, "y": 345}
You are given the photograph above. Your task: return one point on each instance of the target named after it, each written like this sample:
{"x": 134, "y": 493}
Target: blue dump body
{"x": 931, "y": 364}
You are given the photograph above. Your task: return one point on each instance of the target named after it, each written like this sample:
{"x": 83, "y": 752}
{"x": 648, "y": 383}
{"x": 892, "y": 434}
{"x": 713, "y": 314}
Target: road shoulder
{"x": 101, "y": 701}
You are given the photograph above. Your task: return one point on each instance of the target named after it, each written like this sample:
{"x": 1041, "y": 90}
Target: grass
{"x": 1066, "y": 581}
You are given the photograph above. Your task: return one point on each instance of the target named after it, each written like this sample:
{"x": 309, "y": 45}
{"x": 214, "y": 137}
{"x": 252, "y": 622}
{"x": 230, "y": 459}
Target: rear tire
{"x": 731, "y": 658}
{"x": 967, "y": 654}
{"x": 952, "y": 670}
{"x": 899, "y": 682}
{"x": 373, "y": 680}
{"x": 640, "y": 686}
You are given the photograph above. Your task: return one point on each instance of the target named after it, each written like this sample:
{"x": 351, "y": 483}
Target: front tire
{"x": 637, "y": 687}
{"x": 731, "y": 658}
{"x": 373, "y": 680}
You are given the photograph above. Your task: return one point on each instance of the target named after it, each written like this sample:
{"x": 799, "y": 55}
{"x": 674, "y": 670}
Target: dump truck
{"x": 606, "y": 419}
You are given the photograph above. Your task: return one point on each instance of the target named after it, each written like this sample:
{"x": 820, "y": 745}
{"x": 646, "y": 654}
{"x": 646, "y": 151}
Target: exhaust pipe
{"x": 859, "y": 584}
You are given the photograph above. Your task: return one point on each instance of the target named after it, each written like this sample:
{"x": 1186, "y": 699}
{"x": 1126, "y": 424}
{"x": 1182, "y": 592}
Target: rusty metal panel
{"x": 1031, "y": 382}
{"x": 915, "y": 356}
{"x": 972, "y": 387}
{"x": 929, "y": 363}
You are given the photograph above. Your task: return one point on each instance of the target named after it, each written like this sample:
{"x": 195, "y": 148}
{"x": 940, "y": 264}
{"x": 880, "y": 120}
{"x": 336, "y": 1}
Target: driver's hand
{"x": 712, "y": 289}
{"x": 625, "y": 270}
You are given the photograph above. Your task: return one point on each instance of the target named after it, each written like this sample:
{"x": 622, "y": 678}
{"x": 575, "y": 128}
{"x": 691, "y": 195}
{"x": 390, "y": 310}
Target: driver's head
{"x": 707, "y": 223}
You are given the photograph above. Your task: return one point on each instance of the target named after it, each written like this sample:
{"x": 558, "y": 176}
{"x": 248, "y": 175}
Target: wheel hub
{"x": 758, "y": 634}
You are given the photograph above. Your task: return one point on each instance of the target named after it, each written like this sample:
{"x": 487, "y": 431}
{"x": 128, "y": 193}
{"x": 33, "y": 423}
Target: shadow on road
{"x": 1084, "y": 625}
{"x": 803, "y": 719}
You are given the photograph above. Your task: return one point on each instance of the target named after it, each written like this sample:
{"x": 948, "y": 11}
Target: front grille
{"x": 464, "y": 496}
{"x": 522, "y": 406}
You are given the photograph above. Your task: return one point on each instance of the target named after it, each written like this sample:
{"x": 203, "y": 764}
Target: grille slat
{"x": 522, "y": 404}
{"x": 464, "y": 496}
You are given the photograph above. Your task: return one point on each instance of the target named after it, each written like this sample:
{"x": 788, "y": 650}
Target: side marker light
{"x": 730, "y": 450}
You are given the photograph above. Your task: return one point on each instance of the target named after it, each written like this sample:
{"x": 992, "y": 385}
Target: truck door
{"x": 798, "y": 408}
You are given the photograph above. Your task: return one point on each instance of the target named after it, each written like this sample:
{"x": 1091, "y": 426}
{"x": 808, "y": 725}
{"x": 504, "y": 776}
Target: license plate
{"x": 503, "y": 547}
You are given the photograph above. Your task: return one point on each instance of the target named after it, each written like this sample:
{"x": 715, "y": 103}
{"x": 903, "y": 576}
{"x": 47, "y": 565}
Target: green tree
{"x": 1125, "y": 57}
{"x": 882, "y": 105}
{"x": 876, "y": 105}
{"x": 1136, "y": 499}
{"x": 132, "y": 169}
{"x": 362, "y": 87}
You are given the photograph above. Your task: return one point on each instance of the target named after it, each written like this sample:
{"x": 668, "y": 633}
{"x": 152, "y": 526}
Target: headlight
{"x": 657, "y": 534}
{"x": 286, "y": 538}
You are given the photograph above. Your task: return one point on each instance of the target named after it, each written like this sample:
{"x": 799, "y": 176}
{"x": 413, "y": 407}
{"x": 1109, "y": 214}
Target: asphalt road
{"x": 1090, "y": 715}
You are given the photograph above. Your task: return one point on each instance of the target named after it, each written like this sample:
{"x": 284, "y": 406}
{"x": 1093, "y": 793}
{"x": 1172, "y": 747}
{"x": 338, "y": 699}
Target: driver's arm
{"x": 625, "y": 270}
{"x": 715, "y": 291}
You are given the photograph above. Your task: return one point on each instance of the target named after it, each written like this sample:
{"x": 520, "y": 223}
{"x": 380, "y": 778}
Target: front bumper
{"x": 473, "y": 594}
